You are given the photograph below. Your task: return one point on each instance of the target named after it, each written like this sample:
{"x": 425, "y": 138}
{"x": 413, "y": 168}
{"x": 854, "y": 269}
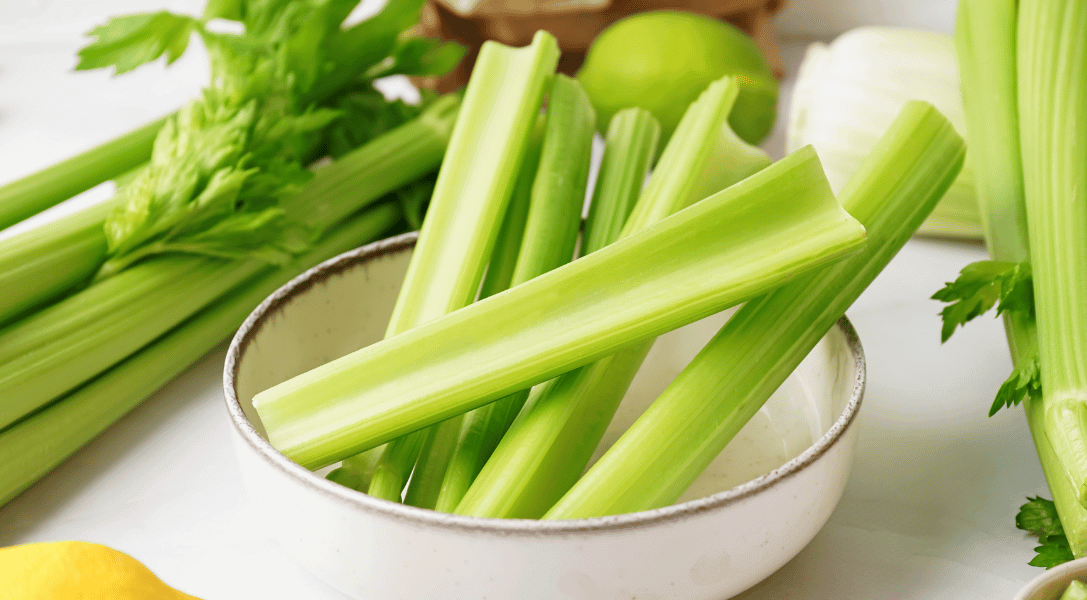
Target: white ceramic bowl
{"x": 1052, "y": 583}
{"x": 755, "y": 508}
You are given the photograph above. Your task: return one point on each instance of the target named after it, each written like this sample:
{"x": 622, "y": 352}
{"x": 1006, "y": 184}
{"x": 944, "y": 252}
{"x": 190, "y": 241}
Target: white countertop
{"x": 928, "y": 513}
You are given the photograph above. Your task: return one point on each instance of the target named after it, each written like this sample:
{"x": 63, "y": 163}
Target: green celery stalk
{"x": 985, "y": 36}
{"x": 470, "y": 197}
{"x": 41, "y": 264}
{"x": 497, "y": 279}
{"x": 1052, "y": 91}
{"x": 37, "y": 444}
{"x": 34, "y": 193}
{"x": 1077, "y": 590}
{"x": 550, "y": 235}
{"x": 54, "y": 350}
{"x": 630, "y": 145}
{"x": 549, "y": 446}
{"x": 666, "y": 449}
{"x": 768, "y": 228}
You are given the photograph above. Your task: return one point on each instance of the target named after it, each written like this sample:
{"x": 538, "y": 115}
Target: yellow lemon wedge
{"x": 58, "y": 570}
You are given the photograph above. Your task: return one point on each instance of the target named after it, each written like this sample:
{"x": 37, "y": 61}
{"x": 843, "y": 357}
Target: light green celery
{"x": 666, "y": 449}
{"x": 985, "y": 36}
{"x": 1077, "y": 590}
{"x": 550, "y": 235}
{"x": 42, "y": 263}
{"x": 397, "y": 467}
{"x": 767, "y": 229}
{"x": 34, "y": 193}
{"x": 37, "y": 444}
{"x": 848, "y": 91}
{"x": 474, "y": 185}
{"x": 1052, "y": 93}
{"x": 552, "y": 441}
{"x": 630, "y": 145}
{"x": 56, "y": 349}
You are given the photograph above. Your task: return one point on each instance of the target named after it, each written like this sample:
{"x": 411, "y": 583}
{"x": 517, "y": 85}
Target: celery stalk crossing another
{"x": 470, "y": 198}
{"x": 725, "y": 385}
{"x": 548, "y": 241}
{"x": 37, "y": 444}
{"x": 550, "y": 444}
{"x": 767, "y": 229}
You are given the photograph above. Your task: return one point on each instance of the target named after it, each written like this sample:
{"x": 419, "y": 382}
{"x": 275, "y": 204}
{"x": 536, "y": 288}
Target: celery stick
{"x": 549, "y": 446}
{"x": 631, "y": 144}
{"x": 1077, "y": 590}
{"x": 43, "y": 263}
{"x": 470, "y": 197}
{"x": 985, "y": 36}
{"x": 1052, "y": 91}
{"x": 691, "y": 422}
{"x": 56, "y": 349}
{"x": 37, "y": 444}
{"x": 767, "y": 229}
{"x": 550, "y": 235}
{"x": 34, "y": 193}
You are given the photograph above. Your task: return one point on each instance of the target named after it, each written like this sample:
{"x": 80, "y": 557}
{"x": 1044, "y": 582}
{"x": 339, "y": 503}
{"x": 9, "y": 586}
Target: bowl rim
{"x": 469, "y": 524}
{"x": 1073, "y": 569}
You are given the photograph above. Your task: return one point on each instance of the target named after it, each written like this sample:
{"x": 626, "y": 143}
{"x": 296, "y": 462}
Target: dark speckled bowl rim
{"x": 501, "y": 527}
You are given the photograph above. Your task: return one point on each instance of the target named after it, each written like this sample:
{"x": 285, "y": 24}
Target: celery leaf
{"x": 125, "y": 43}
{"x": 982, "y": 285}
{"x": 1024, "y": 382}
{"x": 1039, "y": 517}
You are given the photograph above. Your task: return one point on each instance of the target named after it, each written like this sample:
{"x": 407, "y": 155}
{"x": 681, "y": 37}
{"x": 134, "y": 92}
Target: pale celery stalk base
{"x": 648, "y": 283}
{"x": 666, "y": 449}
{"x": 1052, "y": 91}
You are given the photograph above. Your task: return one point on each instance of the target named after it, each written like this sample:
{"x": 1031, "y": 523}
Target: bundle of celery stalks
{"x": 216, "y": 207}
{"x": 505, "y": 358}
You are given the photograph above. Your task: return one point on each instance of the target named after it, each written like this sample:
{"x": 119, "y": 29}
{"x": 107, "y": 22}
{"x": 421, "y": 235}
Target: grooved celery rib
{"x": 1077, "y": 590}
{"x": 56, "y": 349}
{"x": 550, "y": 235}
{"x": 692, "y": 421}
{"x": 630, "y": 145}
{"x": 985, "y": 36}
{"x": 34, "y": 193}
{"x": 44, "y": 262}
{"x": 550, "y": 444}
{"x": 470, "y": 197}
{"x": 733, "y": 246}
{"x": 1052, "y": 94}
{"x": 37, "y": 444}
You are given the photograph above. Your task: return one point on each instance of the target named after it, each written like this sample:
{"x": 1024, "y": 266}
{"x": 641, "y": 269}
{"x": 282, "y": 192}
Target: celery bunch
{"x": 1024, "y": 66}
{"x": 224, "y": 207}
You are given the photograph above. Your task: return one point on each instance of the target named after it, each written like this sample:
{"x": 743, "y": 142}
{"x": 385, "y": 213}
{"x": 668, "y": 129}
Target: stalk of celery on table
{"x": 770, "y": 227}
{"x": 1023, "y": 68}
{"x": 35, "y": 445}
{"x": 551, "y": 443}
{"x": 226, "y": 195}
{"x": 470, "y": 197}
{"x": 678, "y": 436}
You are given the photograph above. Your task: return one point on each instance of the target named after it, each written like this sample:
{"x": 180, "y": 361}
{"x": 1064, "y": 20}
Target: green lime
{"x": 662, "y": 60}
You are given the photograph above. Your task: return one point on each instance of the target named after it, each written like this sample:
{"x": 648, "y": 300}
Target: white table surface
{"x": 928, "y": 513}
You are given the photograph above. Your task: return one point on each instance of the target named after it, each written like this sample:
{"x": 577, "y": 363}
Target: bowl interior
{"x": 345, "y": 305}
